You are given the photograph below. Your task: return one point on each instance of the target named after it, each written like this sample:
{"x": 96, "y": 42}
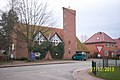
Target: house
{"x": 67, "y": 35}
{"x": 102, "y": 39}
{"x": 117, "y": 47}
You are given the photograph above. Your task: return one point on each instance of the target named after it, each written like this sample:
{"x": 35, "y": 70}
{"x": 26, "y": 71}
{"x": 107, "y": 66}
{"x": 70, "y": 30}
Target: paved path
{"x": 83, "y": 75}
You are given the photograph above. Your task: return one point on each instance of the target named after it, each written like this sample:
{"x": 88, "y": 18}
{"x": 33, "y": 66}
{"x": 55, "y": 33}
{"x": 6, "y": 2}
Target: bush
{"x": 57, "y": 52}
{"x": 42, "y": 49}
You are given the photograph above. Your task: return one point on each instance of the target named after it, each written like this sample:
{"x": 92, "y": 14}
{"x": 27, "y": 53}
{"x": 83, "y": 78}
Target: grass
{"x": 110, "y": 75}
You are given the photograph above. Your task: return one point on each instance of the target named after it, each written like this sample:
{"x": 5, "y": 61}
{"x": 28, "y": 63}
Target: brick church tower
{"x": 69, "y": 27}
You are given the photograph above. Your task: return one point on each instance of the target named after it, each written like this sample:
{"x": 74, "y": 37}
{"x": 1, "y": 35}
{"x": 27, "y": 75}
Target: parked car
{"x": 79, "y": 56}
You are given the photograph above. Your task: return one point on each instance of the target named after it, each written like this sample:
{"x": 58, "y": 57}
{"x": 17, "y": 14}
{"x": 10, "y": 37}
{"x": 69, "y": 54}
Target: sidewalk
{"x": 83, "y": 75}
{"x": 44, "y": 62}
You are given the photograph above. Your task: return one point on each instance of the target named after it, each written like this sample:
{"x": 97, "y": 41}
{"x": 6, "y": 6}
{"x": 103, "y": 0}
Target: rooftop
{"x": 100, "y": 37}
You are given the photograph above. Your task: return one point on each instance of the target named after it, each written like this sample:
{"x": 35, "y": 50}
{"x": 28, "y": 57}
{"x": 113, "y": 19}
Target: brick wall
{"x": 110, "y": 49}
{"x": 69, "y": 26}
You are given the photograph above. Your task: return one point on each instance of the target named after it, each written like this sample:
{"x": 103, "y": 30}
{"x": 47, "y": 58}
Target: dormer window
{"x": 56, "y": 39}
{"x": 98, "y": 38}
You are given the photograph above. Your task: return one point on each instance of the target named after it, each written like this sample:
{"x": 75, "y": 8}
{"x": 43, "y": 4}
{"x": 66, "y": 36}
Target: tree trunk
{"x": 29, "y": 50}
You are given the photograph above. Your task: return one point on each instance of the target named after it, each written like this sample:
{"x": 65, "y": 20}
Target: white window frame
{"x": 106, "y": 53}
{"x": 107, "y": 45}
{"x": 40, "y": 38}
{"x": 113, "y": 54}
{"x": 55, "y": 39}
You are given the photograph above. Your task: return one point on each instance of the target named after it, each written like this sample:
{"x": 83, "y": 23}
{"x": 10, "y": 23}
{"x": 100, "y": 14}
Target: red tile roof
{"x": 100, "y": 37}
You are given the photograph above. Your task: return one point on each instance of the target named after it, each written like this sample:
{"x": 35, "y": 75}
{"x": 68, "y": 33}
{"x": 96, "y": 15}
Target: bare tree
{"x": 33, "y": 15}
{"x": 84, "y": 38}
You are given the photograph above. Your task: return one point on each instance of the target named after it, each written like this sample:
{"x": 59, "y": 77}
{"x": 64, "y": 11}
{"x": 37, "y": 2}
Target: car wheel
{"x": 84, "y": 59}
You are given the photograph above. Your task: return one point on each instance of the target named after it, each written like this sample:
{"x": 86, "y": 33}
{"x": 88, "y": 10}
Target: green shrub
{"x": 57, "y": 52}
{"x": 42, "y": 49}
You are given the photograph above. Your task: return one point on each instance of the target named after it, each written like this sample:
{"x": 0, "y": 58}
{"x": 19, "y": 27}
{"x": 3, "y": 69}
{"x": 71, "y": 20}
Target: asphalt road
{"x": 44, "y": 72}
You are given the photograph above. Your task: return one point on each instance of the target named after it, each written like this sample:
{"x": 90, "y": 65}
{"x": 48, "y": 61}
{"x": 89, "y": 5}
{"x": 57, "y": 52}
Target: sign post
{"x": 99, "y": 49}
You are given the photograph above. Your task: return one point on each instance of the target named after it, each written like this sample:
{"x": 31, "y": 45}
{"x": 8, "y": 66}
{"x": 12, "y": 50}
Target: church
{"x": 67, "y": 35}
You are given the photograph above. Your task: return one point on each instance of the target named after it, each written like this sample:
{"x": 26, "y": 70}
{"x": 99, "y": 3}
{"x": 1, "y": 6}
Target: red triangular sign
{"x": 99, "y": 48}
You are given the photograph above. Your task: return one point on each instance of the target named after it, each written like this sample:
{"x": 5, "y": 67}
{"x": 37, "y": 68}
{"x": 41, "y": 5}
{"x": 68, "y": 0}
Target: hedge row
{"x": 56, "y": 52}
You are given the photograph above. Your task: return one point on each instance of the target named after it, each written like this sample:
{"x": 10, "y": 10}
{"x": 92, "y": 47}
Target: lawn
{"x": 110, "y": 75}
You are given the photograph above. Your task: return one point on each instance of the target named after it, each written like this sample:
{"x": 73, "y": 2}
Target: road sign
{"x": 99, "y": 48}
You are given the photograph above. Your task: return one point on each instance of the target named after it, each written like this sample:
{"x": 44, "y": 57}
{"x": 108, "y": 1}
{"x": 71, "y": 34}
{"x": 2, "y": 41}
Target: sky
{"x": 92, "y": 16}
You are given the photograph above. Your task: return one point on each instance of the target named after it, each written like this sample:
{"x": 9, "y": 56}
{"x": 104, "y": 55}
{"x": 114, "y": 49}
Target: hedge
{"x": 56, "y": 52}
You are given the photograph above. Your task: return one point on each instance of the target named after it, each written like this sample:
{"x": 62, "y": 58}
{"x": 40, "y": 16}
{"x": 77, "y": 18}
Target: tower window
{"x": 69, "y": 42}
{"x": 69, "y": 52}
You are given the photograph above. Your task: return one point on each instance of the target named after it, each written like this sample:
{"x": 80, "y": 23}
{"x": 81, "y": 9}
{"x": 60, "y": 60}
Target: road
{"x": 44, "y": 72}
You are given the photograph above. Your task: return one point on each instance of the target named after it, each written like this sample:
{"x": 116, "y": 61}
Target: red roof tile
{"x": 100, "y": 37}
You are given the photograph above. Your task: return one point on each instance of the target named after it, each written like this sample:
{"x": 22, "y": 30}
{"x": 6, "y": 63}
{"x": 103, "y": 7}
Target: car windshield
{"x": 77, "y": 54}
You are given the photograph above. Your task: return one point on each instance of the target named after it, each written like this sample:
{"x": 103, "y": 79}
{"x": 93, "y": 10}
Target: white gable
{"x": 40, "y": 38}
{"x": 55, "y": 39}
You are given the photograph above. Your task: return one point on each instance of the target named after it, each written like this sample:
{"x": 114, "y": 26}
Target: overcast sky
{"x": 92, "y": 16}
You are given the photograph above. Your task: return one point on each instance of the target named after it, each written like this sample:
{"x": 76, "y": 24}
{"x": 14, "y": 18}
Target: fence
{"x": 103, "y": 64}
{"x": 107, "y": 62}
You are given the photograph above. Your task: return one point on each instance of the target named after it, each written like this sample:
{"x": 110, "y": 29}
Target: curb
{"x": 75, "y": 72}
{"x": 82, "y": 74}
{"x": 33, "y": 64}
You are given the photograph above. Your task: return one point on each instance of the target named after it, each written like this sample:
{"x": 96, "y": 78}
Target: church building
{"x": 67, "y": 35}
